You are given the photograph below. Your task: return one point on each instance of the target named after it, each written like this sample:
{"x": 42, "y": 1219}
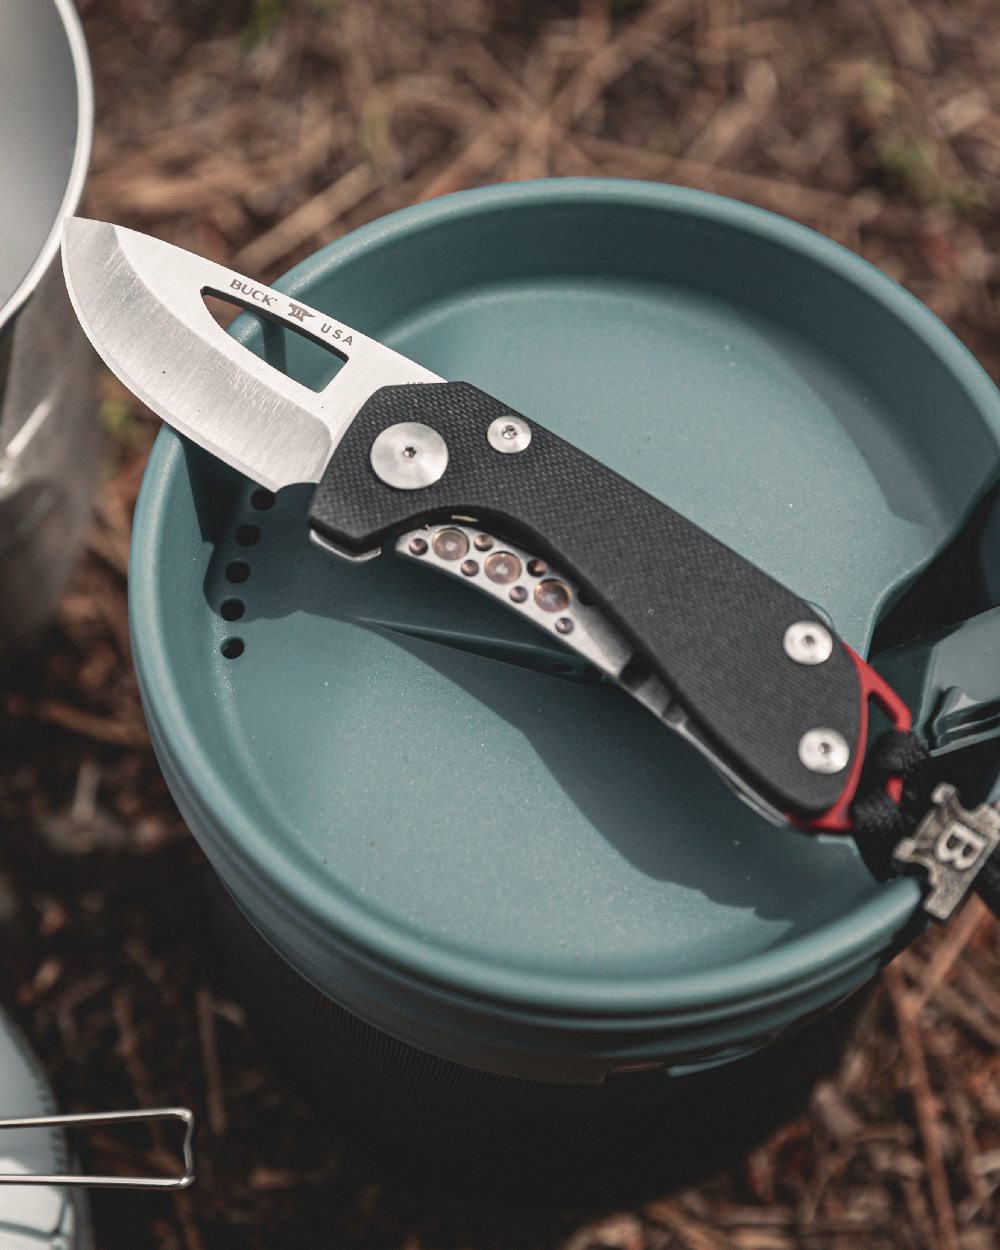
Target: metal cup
{"x": 48, "y": 438}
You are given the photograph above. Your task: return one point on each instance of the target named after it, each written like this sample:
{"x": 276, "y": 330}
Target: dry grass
{"x": 255, "y": 132}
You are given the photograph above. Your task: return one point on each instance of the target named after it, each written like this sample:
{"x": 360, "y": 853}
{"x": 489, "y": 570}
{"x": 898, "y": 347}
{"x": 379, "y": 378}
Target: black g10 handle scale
{"x": 713, "y": 644}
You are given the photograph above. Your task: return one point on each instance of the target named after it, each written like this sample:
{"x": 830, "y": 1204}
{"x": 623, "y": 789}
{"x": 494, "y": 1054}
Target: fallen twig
{"x": 926, "y": 1112}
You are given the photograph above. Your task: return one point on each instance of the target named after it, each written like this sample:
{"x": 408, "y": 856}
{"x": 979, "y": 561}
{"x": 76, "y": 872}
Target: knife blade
{"x": 139, "y": 301}
{"x": 708, "y": 642}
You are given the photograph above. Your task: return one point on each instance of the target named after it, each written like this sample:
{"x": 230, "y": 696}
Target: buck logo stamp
{"x": 951, "y": 845}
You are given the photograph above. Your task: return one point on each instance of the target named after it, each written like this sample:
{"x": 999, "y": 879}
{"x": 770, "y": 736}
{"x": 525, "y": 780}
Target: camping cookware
{"x": 490, "y": 890}
{"x": 458, "y": 481}
{"x": 48, "y": 436}
{"x": 39, "y": 1189}
{"x": 48, "y": 1214}
{"x": 26, "y": 1124}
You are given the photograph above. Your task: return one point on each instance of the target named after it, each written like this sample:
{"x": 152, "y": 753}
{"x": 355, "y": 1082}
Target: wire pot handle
{"x": 181, "y": 1115}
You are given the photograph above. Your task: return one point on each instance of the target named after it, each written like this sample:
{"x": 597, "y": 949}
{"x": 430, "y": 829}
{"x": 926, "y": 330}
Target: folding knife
{"x": 710, "y": 644}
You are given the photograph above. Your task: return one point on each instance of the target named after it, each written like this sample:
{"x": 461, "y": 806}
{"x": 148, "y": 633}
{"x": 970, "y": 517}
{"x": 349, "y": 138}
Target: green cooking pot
{"x": 431, "y": 817}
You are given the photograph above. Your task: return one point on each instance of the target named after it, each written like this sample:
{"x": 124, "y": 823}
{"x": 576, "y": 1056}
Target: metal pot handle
{"x": 180, "y": 1115}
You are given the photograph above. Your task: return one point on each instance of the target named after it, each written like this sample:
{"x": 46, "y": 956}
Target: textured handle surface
{"x": 706, "y": 621}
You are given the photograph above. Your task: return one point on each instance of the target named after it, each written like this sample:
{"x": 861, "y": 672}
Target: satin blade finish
{"x": 140, "y": 302}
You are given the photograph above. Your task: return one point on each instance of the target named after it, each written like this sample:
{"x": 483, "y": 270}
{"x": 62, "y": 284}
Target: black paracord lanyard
{"x": 926, "y": 827}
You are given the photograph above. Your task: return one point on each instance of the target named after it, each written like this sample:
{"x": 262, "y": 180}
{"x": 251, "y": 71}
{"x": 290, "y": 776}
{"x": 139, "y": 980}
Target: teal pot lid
{"x": 403, "y": 787}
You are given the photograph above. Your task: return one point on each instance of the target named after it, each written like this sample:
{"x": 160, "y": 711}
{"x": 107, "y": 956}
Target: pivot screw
{"x": 409, "y": 456}
{"x": 808, "y": 642}
{"x": 824, "y": 751}
{"x": 508, "y": 434}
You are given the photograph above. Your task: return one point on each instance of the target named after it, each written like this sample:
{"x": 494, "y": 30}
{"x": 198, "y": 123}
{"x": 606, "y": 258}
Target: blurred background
{"x": 255, "y": 131}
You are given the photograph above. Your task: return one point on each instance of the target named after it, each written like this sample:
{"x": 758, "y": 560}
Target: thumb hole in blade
{"x": 288, "y": 349}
